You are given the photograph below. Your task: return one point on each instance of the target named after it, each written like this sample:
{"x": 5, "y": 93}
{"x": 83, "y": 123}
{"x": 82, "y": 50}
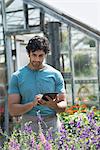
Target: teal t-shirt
{"x": 29, "y": 83}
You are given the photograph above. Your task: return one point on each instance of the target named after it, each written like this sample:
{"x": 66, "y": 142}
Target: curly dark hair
{"x": 38, "y": 43}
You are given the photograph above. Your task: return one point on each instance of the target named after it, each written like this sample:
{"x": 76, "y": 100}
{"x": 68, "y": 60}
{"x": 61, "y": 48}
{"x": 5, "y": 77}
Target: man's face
{"x": 37, "y": 58}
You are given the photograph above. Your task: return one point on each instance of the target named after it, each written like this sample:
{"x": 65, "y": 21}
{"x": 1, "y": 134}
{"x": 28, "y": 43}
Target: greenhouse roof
{"x": 17, "y": 6}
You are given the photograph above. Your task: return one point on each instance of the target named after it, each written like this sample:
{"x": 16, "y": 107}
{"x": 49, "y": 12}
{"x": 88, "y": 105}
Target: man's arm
{"x": 17, "y": 109}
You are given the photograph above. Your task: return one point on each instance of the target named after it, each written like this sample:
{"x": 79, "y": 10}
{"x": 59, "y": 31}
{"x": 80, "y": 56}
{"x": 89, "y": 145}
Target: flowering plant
{"x": 80, "y": 131}
{"x": 75, "y": 108}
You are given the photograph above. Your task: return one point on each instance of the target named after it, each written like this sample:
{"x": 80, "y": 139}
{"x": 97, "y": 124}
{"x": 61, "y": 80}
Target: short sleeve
{"x": 60, "y": 88}
{"x": 13, "y": 85}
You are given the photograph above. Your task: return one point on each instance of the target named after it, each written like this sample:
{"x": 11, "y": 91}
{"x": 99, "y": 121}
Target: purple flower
{"x": 73, "y": 147}
{"x": 28, "y": 128}
{"x": 47, "y": 146}
{"x": 60, "y": 143}
{"x": 90, "y": 116}
{"x": 32, "y": 142}
{"x": 63, "y": 137}
{"x": 78, "y": 124}
{"x": 87, "y": 142}
{"x": 94, "y": 140}
{"x": 66, "y": 148}
{"x": 98, "y": 130}
{"x": 13, "y": 145}
{"x": 84, "y": 135}
{"x": 72, "y": 123}
{"x": 42, "y": 138}
{"x": 38, "y": 147}
{"x": 98, "y": 146}
{"x": 49, "y": 136}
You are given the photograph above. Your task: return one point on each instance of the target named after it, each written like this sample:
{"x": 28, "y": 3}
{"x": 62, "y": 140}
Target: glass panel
{"x": 84, "y": 54}
{"x": 49, "y": 18}
{"x": 84, "y": 50}
{"x": 68, "y": 92}
{"x": 2, "y": 73}
{"x": 15, "y": 5}
{"x": 15, "y": 15}
{"x": 34, "y": 17}
{"x": 87, "y": 93}
{"x": 1, "y": 39}
{"x": 1, "y": 36}
{"x": 64, "y": 56}
{"x": 0, "y": 19}
{"x": 15, "y": 20}
{"x": 2, "y": 60}
{"x": 64, "y": 62}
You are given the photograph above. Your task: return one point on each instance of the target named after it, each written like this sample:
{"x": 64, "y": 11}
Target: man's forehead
{"x": 38, "y": 52}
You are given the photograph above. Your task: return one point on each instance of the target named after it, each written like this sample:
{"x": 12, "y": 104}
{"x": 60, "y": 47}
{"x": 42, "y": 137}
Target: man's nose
{"x": 37, "y": 58}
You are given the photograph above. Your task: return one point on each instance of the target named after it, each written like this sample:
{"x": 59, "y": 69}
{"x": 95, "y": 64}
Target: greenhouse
{"x": 75, "y": 50}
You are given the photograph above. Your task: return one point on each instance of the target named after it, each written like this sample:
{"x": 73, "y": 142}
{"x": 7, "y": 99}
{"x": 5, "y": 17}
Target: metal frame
{"x": 64, "y": 18}
{"x": 71, "y": 65}
{"x": 98, "y": 70}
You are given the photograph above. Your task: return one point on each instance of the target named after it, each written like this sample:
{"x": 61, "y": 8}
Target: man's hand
{"x": 50, "y": 103}
{"x": 59, "y": 104}
{"x": 37, "y": 99}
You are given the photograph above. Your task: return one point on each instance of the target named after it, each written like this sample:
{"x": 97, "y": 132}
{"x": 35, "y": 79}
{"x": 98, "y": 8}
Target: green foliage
{"x": 91, "y": 42}
{"x": 82, "y": 64}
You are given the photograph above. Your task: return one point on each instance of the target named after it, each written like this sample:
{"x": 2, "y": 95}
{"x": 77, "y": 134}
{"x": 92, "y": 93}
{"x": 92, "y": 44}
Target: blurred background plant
{"x": 84, "y": 64}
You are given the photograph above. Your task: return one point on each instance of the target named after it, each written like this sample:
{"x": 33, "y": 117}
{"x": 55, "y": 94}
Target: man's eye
{"x": 33, "y": 55}
{"x": 41, "y": 56}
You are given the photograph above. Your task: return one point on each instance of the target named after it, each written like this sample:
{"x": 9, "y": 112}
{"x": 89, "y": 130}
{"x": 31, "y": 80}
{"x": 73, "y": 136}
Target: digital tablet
{"x": 51, "y": 95}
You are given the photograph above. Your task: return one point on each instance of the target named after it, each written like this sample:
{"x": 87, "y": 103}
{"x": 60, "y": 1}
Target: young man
{"x": 34, "y": 79}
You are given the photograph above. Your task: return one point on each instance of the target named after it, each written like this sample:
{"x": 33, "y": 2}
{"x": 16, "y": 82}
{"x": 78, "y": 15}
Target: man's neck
{"x": 35, "y": 68}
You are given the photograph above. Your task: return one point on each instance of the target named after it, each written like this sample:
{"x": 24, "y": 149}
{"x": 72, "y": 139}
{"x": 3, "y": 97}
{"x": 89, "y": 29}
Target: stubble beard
{"x": 36, "y": 65}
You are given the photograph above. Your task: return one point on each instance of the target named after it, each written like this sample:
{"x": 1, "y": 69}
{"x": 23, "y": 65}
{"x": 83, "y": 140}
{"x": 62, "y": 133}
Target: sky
{"x": 86, "y": 11}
